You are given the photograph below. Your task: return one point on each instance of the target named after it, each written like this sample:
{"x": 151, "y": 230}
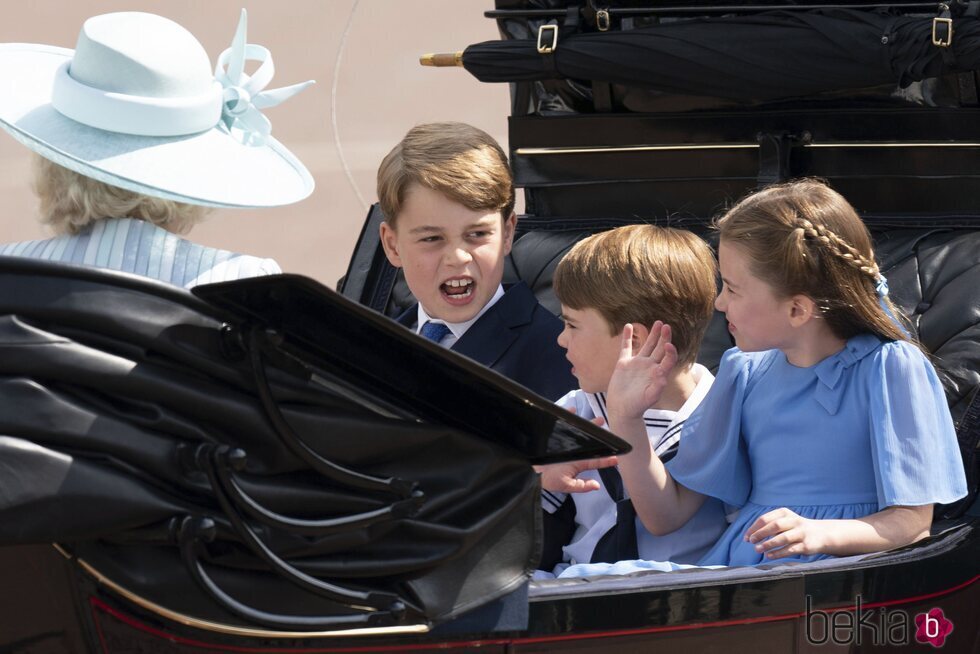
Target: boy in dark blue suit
{"x": 448, "y": 198}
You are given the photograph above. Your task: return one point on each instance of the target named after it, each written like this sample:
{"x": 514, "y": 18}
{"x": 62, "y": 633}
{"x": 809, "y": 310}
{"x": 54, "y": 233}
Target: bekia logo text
{"x": 879, "y": 627}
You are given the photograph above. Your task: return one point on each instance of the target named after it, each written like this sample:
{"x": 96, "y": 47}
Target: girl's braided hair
{"x": 838, "y": 246}
{"x": 804, "y": 238}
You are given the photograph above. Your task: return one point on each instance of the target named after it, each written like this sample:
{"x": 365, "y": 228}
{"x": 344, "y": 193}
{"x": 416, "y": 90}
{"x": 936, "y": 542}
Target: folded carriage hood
{"x": 265, "y": 453}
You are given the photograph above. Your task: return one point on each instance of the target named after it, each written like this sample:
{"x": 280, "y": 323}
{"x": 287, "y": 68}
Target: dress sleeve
{"x": 712, "y": 457}
{"x": 913, "y": 441}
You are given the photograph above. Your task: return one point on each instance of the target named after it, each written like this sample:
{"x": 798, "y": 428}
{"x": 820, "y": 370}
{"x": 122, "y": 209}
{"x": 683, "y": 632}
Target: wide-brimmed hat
{"x": 136, "y": 105}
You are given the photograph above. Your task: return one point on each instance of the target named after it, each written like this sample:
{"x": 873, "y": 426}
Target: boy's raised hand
{"x": 563, "y": 477}
{"x": 639, "y": 379}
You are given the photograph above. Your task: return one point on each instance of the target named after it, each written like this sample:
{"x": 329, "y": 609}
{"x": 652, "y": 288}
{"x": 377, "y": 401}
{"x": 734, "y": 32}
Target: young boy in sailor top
{"x": 636, "y": 274}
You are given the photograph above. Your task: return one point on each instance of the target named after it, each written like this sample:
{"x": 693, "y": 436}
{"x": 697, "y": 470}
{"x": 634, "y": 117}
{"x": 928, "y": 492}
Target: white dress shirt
{"x": 456, "y": 329}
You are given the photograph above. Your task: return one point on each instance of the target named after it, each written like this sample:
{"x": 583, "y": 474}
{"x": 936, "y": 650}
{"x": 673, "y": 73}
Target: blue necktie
{"x": 434, "y": 331}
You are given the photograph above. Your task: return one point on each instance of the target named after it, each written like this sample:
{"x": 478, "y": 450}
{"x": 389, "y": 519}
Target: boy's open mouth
{"x": 456, "y": 290}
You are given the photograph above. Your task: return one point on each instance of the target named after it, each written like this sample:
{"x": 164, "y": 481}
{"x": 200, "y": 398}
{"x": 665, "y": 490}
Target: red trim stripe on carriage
{"x": 99, "y": 605}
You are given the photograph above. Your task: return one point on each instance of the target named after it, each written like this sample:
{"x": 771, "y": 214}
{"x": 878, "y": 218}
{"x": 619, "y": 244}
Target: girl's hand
{"x": 563, "y": 477}
{"x": 788, "y": 534}
{"x": 639, "y": 379}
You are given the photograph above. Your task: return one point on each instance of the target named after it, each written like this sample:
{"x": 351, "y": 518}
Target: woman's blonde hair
{"x": 70, "y": 201}
{"x": 463, "y": 163}
{"x": 639, "y": 274}
{"x": 804, "y": 238}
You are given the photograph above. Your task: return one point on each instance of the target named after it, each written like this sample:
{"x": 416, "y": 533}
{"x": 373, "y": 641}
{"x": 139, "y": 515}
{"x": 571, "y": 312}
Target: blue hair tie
{"x": 881, "y": 288}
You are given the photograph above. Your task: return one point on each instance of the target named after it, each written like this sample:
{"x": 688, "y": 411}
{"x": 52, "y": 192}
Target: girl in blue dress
{"x": 826, "y": 425}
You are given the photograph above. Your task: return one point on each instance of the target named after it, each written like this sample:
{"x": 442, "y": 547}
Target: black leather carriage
{"x": 930, "y": 258}
{"x": 589, "y": 155}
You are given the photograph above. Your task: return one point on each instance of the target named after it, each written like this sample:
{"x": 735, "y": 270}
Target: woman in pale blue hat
{"x": 137, "y": 137}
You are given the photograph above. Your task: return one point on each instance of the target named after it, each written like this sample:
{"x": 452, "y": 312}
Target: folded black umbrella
{"x": 269, "y": 455}
{"x": 745, "y": 58}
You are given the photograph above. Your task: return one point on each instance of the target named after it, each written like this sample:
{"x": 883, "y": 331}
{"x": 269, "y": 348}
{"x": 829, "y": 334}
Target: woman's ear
{"x": 640, "y": 333}
{"x": 802, "y": 310}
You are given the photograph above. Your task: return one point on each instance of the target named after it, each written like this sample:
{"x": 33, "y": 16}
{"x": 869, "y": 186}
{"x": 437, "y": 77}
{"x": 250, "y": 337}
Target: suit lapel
{"x": 489, "y": 338}
{"x": 409, "y": 317}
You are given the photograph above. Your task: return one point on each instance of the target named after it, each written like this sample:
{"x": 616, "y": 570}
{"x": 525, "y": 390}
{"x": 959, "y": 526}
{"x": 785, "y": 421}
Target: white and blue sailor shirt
{"x": 596, "y": 511}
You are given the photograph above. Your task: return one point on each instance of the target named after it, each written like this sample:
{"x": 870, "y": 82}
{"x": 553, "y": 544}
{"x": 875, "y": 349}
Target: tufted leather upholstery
{"x": 933, "y": 273}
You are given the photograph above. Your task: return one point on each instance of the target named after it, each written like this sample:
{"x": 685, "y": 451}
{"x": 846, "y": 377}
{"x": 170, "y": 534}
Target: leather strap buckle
{"x": 547, "y": 39}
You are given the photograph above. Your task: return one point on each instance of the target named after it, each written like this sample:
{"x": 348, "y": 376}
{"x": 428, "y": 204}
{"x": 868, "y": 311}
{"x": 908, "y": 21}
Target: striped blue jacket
{"x": 139, "y": 247}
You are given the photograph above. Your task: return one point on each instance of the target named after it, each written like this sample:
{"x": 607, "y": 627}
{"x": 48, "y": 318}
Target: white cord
{"x": 333, "y": 106}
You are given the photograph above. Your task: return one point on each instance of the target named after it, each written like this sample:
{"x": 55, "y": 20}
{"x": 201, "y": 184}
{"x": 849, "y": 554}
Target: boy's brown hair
{"x": 640, "y": 274}
{"x": 458, "y": 160}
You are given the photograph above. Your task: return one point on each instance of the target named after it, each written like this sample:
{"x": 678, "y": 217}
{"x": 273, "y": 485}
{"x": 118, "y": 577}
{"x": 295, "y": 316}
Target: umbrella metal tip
{"x": 442, "y": 59}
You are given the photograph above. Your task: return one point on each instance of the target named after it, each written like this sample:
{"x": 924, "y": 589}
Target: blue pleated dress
{"x": 862, "y": 430}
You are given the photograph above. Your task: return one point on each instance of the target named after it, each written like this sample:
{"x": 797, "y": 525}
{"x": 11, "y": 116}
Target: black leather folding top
{"x": 254, "y": 457}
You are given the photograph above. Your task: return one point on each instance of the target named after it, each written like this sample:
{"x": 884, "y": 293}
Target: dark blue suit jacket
{"x": 516, "y": 337}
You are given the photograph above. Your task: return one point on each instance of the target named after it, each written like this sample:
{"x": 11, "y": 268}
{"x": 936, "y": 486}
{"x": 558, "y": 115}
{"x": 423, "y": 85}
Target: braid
{"x": 781, "y": 225}
{"x": 840, "y": 248}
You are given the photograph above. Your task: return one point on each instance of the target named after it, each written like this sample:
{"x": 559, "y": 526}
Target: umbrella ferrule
{"x": 442, "y": 59}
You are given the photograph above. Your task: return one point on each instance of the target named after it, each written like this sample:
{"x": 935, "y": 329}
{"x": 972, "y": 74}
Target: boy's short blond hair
{"x": 640, "y": 274}
{"x": 462, "y": 162}
{"x": 70, "y": 201}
